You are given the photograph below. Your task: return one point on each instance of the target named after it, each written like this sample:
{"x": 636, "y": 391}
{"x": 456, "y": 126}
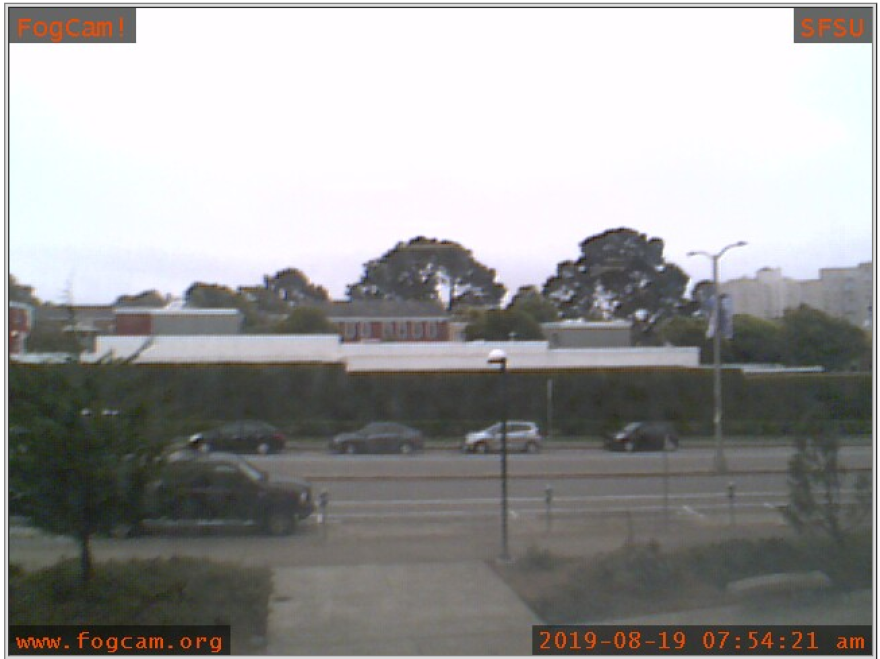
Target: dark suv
{"x": 644, "y": 436}
{"x": 242, "y": 437}
{"x": 223, "y": 490}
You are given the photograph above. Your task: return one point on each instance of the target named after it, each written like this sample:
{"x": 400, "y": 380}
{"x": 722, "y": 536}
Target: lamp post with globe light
{"x": 499, "y": 357}
{"x": 720, "y": 461}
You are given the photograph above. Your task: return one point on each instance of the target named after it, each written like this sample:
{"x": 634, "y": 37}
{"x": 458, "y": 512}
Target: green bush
{"x": 321, "y": 400}
{"x": 175, "y": 591}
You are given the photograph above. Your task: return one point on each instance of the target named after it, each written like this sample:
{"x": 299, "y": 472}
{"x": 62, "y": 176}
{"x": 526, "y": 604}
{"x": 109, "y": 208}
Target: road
{"x": 443, "y": 506}
{"x": 437, "y": 485}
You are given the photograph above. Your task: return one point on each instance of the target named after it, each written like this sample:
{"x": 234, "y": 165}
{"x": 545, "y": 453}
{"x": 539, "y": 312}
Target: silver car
{"x": 521, "y": 436}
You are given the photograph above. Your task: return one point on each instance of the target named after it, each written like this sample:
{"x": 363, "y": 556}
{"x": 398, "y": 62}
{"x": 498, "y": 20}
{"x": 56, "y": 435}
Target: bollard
{"x": 548, "y": 501}
{"x": 630, "y": 529}
{"x": 323, "y": 500}
{"x": 731, "y": 498}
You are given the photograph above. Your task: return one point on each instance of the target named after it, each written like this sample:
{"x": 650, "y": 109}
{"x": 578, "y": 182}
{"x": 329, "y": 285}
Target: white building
{"x": 382, "y": 357}
{"x": 845, "y": 293}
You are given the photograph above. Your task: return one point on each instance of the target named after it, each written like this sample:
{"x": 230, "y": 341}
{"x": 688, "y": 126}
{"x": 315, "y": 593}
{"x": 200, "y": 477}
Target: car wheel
{"x": 406, "y": 448}
{"x": 481, "y": 448}
{"x": 629, "y": 446}
{"x": 350, "y": 449}
{"x": 263, "y": 448}
{"x": 532, "y": 447}
{"x": 279, "y": 522}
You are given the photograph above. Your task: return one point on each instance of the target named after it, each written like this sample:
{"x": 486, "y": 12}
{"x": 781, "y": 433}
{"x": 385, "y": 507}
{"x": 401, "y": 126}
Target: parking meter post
{"x": 548, "y": 500}
{"x": 630, "y": 531}
{"x": 665, "y": 486}
{"x": 323, "y": 500}
{"x": 731, "y": 498}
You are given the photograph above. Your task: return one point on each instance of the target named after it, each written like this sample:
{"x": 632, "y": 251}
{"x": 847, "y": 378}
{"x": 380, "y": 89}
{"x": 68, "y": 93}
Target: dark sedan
{"x": 644, "y": 436}
{"x": 379, "y": 437}
{"x": 242, "y": 437}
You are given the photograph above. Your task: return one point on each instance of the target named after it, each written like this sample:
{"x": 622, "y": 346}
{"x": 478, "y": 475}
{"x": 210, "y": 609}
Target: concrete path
{"x": 460, "y": 608}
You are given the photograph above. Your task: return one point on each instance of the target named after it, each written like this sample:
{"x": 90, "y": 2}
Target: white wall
{"x": 373, "y": 357}
{"x": 323, "y": 349}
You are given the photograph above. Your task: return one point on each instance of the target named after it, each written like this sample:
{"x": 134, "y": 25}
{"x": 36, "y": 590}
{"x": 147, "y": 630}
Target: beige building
{"x": 846, "y": 293}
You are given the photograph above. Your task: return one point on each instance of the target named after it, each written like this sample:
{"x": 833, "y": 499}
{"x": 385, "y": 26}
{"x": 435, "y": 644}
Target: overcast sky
{"x": 232, "y": 143}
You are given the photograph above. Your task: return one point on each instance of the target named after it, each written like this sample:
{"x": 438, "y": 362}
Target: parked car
{"x": 379, "y": 437}
{"x": 521, "y": 436}
{"x": 242, "y": 437}
{"x": 644, "y": 436}
{"x": 222, "y": 489}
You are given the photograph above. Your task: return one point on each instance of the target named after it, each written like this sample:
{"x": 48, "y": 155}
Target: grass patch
{"x": 175, "y": 591}
{"x": 645, "y": 579}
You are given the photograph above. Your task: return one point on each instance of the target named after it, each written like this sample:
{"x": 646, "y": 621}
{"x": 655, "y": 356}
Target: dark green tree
{"x": 755, "y": 341}
{"x": 529, "y": 300}
{"x": 429, "y": 269}
{"x": 19, "y": 292}
{"x": 503, "y": 325}
{"x": 620, "y": 274}
{"x": 811, "y": 337}
{"x": 306, "y": 320}
{"x": 149, "y": 299}
{"x": 686, "y": 331}
{"x": 80, "y": 451}
{"x": 292, "y": 286}
{"x": 214, "y": 296}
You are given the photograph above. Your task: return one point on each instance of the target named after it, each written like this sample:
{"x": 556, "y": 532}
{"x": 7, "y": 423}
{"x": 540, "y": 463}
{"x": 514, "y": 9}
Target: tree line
{"x": 618, "y": 274}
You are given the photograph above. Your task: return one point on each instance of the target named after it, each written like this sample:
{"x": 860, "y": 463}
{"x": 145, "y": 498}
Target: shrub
{"x": 179, "y": 591}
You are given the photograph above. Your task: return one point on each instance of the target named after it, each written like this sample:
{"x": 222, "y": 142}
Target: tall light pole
{"x": 498, "y": 356}
{"x": 720, "y": 461}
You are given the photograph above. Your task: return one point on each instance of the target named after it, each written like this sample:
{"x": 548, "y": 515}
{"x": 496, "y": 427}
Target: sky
{"x": 228, "y": 144}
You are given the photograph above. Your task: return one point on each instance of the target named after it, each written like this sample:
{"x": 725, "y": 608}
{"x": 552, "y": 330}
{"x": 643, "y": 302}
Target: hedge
{"x": 319, "y": 400}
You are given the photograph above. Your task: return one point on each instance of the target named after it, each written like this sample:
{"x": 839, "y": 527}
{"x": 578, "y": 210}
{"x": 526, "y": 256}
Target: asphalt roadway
{"x": 401, "y": 584}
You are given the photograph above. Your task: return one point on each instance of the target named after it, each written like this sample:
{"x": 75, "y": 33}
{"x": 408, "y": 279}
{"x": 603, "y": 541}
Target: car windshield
{"x": 630, "y": 427}
{"x": 245, "y": 467}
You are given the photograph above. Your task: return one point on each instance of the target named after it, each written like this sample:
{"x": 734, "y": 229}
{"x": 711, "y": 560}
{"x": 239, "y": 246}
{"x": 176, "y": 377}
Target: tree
{"x": 620, "y": 274}
{"x": 811, "y": 337}
{"x": 425, "y": 269}
{"x": 755, "y": 341}
{"x": 80, "y": 452}
{"x": 503, "y": 325}
{"x": 292, "y": 286}
{"x": 529, "y": 300}
{"x": 686, "y": 331}
{"x": 815, "y": 482}
{"x": 148, "y": 299}
{"x": 215, "y": 296}
{"x": 22, "y": 293}
{"x": 306, "y": 320}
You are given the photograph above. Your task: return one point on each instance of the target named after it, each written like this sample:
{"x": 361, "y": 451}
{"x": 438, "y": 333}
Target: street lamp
{"x": 720, "y": 462}
{"x": 498, "y": 356}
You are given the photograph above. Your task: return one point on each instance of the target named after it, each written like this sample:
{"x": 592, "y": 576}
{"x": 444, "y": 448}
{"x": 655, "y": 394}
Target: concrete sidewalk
{"x": 460, "y": 608}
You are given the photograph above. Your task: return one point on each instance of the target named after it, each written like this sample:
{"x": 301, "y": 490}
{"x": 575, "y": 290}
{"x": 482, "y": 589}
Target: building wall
{"x": 187, "y": 324}
{"x": 177, "y": 322}
{"x": 419, "y": 330}
{"x": 130, "y": 324}
{"x": 379, "y": 357}
{"x": 20, "y": 319}
{"x": 587, "y": 335}
{"x": 845, "y": 293}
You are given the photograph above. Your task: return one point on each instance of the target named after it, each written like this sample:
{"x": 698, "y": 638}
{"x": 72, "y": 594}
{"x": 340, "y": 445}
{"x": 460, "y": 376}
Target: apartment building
{"x": 846, "y": 293}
